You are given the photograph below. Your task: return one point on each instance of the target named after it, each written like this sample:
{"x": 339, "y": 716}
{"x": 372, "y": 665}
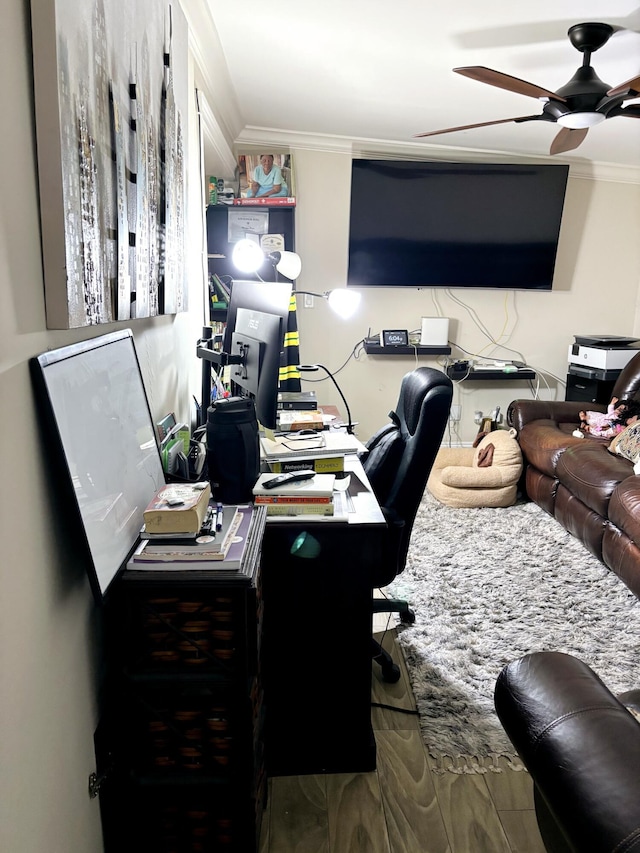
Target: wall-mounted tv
{"x": 426, "y": 224}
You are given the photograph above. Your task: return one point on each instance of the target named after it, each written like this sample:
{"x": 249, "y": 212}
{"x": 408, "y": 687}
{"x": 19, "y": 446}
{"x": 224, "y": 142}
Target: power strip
{"x": 499, "y": 365}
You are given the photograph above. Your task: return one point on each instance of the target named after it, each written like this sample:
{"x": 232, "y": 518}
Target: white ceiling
{"x": 382, "y": 69}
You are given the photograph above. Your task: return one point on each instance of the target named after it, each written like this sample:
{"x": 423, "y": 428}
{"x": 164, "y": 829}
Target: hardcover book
{"x": 320, "y": 486}
{"x": 278, "y": 201}
{"x": 319, "y": 464}
{"x": 297, "y": 400}
{"x": 300, "y": 509}
{"x": 177, "y": 508}
{"x": 214, "y": 546}
{"x": 340, "y": 507}
{"x": 290, "y": 420}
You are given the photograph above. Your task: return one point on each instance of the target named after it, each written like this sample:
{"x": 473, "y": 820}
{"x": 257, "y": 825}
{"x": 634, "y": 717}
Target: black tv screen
{"x": 423, "y": 224}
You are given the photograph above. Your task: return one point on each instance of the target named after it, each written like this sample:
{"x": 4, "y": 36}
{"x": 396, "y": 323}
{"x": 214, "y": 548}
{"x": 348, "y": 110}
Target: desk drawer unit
{"x": 186, "y": 716}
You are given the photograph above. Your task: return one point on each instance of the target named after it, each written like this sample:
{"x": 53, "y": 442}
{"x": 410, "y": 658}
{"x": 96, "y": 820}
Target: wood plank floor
{"x": 403, "y": 806}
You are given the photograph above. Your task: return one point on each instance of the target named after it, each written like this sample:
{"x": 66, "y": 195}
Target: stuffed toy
{"x": 619, "y": 414}
{"x": 484, "y": 475}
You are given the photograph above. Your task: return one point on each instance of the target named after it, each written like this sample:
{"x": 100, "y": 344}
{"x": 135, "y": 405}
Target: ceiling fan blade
{"x": 506, "y": 81}
{"x": 630, "y": 89}
{"x": 568, "y": 139}
{"x": 470, "y": 126}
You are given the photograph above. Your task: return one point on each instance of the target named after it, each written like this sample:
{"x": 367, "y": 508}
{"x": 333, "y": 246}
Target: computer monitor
{"x": 101, "y": 446}
{"x": 256, "y": 325}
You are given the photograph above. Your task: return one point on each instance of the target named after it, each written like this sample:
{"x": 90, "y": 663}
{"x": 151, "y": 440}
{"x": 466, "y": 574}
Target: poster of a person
{"x": 265, "y": 176}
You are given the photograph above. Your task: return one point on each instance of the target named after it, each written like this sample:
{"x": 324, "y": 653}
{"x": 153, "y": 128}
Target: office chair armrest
{"x": 392, "y": 518}
{"x": 393, "y": 549}
{"x": 581, "y": 747}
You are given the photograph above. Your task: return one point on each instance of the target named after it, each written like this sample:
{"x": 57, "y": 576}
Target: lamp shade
{"x": 287, "y": 264}
{"x": 247, "y": 256}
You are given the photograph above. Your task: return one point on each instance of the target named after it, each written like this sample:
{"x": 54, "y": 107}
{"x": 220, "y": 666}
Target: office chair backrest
{"x": 399, "y": 476}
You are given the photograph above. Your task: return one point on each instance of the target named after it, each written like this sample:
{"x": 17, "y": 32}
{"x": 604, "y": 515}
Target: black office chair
{"x": 398, "y": 463}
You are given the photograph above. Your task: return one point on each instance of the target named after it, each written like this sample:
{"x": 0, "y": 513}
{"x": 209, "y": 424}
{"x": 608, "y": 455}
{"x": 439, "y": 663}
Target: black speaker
{"x": 233, "y": 449}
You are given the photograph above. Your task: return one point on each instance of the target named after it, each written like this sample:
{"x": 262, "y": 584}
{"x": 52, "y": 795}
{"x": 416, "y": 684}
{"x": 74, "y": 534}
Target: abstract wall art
{"x": 111, "y": 100}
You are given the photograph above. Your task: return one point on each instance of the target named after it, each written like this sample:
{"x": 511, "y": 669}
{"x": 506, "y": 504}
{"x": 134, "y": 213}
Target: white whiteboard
{"x": 97, "y": 410}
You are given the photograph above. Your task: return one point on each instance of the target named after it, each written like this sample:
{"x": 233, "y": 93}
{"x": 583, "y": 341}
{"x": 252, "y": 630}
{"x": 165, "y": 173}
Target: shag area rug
{"x": 490, "y": 585}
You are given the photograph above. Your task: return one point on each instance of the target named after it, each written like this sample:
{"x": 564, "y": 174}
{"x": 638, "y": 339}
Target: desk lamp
{"x": 311, "y": 368}
{"x": 247, "y": 256}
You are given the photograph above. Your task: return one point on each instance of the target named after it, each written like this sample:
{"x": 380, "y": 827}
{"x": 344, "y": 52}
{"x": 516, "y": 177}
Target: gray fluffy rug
{"x": 490, "y": 585}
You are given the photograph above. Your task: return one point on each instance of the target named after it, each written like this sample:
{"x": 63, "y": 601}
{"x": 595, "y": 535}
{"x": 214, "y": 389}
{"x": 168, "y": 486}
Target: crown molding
{"x": 211, "y": 74}
{"x": 362, "y": 147}
{"x": 223, "y": 122}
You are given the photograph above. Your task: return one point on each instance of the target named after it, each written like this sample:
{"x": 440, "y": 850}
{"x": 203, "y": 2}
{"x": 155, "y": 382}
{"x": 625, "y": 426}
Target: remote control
{"x": 291, "y": 477}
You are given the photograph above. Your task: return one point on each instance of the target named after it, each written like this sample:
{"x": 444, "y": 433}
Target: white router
{"x": 435, "y": 332}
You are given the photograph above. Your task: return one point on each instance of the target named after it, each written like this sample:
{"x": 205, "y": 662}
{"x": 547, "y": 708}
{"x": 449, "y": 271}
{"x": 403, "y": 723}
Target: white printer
{"x": 602, "y": 354}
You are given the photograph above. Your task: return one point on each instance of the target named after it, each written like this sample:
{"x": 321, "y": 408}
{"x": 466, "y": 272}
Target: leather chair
{"x": 581, "y": 745}
{"x": 398, "y": 463}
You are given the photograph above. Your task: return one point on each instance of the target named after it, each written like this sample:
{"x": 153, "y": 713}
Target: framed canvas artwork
{"x": 111, "y": 103}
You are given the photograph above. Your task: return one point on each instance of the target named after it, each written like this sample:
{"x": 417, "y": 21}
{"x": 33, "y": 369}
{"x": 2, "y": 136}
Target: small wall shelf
{"x": 376, "y": 349}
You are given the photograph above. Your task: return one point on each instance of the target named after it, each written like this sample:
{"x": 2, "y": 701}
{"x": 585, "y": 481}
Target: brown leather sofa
{"x": 581, "y": 745}
{"x": 593, "y": 493}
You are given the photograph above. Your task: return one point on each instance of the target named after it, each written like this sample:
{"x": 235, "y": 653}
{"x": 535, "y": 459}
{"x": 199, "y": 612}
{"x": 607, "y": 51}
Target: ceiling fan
{"x": 580, "y": 104}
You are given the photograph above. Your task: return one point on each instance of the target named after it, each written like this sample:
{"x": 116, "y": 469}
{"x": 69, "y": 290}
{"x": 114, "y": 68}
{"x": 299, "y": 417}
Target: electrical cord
{"x": 411, "y": 711}
{"x": 335, "y": 372}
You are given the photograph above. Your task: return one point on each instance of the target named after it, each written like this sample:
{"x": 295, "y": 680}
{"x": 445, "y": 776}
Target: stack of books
{"x": 292, "y": 420}
{"x": 184, "y": 530}
{"x": 314, "y": 497}
{"x": 297, "y": 400}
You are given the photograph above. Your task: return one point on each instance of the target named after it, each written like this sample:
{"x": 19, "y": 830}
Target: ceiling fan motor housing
{"x": 584, "y": 91}
{"x": 589, "y": 37}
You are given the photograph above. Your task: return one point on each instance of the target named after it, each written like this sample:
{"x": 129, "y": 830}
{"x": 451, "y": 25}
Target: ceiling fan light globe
{"x": 579, "y": 121}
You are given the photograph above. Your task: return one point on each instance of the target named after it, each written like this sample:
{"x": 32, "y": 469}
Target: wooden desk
{"x": 317, "y": 639}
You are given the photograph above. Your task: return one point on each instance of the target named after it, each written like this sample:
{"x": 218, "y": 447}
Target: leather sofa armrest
{"x": 581, "y": 747}
{"x": 522, "y": 412}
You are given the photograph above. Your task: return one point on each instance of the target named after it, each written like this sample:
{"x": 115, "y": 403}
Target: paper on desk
{"x": 326, "y": 443}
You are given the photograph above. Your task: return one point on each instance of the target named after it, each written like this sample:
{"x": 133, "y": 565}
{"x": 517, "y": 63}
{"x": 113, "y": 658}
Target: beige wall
{"x": 50, "y": 654}
{"x": 595, "y": 292}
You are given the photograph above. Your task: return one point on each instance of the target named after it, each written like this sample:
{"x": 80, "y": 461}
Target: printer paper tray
{"x": 593, "y": 372}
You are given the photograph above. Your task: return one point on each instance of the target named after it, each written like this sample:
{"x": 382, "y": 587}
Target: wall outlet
{"x": 456, "y": 413}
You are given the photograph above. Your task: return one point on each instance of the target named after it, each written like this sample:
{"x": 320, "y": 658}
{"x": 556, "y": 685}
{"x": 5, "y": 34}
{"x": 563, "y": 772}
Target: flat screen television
{"x": 102, "y": 446}
{"x": 424, "y": 224}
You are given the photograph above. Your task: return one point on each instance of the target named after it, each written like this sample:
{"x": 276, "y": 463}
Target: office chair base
{"x": 408, "y": 616}
{"x": 390, "y": 670}
{"x": 394, "y": 605}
